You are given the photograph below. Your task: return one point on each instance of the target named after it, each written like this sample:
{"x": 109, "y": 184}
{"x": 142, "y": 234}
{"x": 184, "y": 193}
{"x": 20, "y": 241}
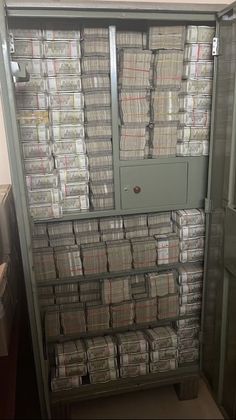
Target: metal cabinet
{"x": 154, "y": 185}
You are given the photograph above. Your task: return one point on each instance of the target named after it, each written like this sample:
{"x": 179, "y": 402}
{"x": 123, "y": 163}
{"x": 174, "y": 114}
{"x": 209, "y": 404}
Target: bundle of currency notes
{"x": 166, "y": 37}
{"x": 135, "y": 69}
{"x": 94, "y": 258}
{"x": 161, "y": 283}
{"x": 144, "y": 252}
{"x": 119, "y": 255}
{"x": 116, "y": 290}
{"x": 102, "y": 361}
{"x": 97, "y": 317}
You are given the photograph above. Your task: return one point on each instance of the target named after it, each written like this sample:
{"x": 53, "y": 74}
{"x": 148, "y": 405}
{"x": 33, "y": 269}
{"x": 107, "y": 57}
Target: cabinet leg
{"x": 188, "y": 389}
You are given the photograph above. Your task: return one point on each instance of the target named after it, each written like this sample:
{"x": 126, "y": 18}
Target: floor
{"x": 160, "y": 403}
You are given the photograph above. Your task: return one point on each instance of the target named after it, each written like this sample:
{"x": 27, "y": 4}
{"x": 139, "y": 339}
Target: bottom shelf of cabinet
{"x": 181, "y": 376}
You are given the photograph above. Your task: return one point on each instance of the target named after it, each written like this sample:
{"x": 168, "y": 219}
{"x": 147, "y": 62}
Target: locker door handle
{"x": 137, "y": 189}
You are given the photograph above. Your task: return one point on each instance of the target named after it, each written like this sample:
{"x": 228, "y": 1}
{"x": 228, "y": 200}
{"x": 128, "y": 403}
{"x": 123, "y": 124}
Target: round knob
{"x": 137, "y": 189}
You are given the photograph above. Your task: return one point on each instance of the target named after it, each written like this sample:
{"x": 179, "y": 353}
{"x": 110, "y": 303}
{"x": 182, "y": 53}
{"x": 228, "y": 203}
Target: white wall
{"x": 4, "y": 163}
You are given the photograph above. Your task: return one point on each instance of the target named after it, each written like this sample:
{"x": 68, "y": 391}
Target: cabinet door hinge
{"x": 215, "y": 46}
{"x": 208, "y": 205}
{"x": 11, "y": 43}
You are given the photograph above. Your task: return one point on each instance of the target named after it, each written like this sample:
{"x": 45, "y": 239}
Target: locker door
{"x": 219, "y": 327}
{"x": 10, "y": 121}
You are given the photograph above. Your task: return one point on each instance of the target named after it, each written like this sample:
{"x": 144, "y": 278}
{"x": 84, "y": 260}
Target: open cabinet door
{"x": 219, "y": 313}
{"x": 7, "y": 97}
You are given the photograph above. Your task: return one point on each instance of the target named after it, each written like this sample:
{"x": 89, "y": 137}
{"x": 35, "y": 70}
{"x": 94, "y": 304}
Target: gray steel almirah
{"x": 190, "y": 182}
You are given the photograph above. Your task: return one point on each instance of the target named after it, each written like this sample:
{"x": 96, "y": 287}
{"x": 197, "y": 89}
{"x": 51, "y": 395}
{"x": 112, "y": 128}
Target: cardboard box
{"x": 7, "y": 310}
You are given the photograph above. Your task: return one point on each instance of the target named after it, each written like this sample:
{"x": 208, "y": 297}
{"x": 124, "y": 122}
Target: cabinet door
{"x": 17, "y": 175}
{"x": 229, "y": 371}
{"x": 219, "y": 330}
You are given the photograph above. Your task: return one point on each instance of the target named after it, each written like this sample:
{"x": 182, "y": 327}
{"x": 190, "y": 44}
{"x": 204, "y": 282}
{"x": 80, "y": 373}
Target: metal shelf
{"x": 162, "y": 159}
{"x": 110, "y": 213}
{"x": 102, "y": 276}
{"x": 88, "y": 391}
{"x": 41, "y": 11}
{"x": 112, "y": 331}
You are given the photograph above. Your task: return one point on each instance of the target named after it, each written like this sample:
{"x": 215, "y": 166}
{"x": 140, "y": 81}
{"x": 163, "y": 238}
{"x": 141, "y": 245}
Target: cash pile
{"x": 116, "y": 290}
{"x": 61, "y": 234}
{"x": 130, "y": 39}
{"x": 90, "y": 292}
{"x": 168, "y": 68}
{"x": 102, "y": 359}
{"x": 52, "y": 324}
{"x": 161, "y": 283}
{"x": 195, "y": 102}
{"x": 73, "y": 319}
{"x": 190, "y": 289}
{"x": 144, "y": 252}
{"x": 51, "y": 121}
{"x": 133, "y": 142}
{"x": 44, "y": 264}
{"x": 122, "y": 314}
{"x": 124, "y": 355}
{"x": 97, "y": 92}
{"x": 188, "y": 339}
{"x": 136, "y": 232}
{"x": 145, "y": 310}
{"x": 133, "y": 354}
{"x": 135, "y": 78}
{"x": 66, "y": 293}
{"x": 98, "y": 317}
{"x": 70, "y": 365}
{"x": 165, "y": 116}
{"x": 167, "y": 248}
{"x": 135, "y": 222}
{"x": 163, "y": 344}
{"x": 46, "y": 296}
{"x": 163, "y": 286}
{"x": 139, "y": 287}
{"x": 40, "y": 236}
{"x": 68, "y": 261}
{"x": 189, "y": 225}
{"x": 86, "y": 231}
{"x": 33, "y": 117}
{"x": 66, "y": 115}
{"x": 168, "y": 306}
{"x": 135, "y": 226}
{"x": 119, "y": 255}
{"x": 159, "y": 223}
{"x": 134, "y": 108}
{"x": 168, "y": 43}
{"x": 166, "y": 37}
{"x": 135, "y": 69}
{"x": 94, "y": 258}
{"x": 111, "y": 228}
